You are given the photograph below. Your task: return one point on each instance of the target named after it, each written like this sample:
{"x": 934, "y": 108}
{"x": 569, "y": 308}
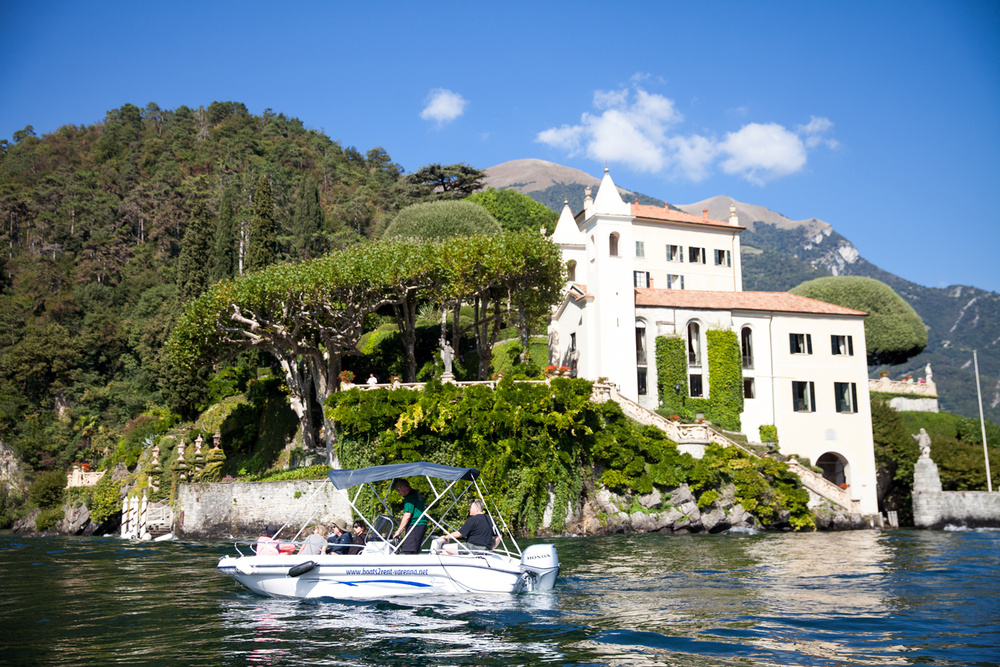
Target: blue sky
{"x": 881, "y": 118}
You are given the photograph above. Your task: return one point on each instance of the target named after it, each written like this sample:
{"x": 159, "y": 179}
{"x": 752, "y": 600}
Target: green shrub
{"x": 769, "y": 433}
{"x": 48, "y": 489}
{"x": 106, "y": 499}
{"x": 48, "y": 518}
{"x": 515, "y": 211}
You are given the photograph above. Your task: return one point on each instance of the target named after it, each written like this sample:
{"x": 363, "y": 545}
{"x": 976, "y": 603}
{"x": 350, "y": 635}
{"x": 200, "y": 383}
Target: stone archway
{"x": 834, "y": 468}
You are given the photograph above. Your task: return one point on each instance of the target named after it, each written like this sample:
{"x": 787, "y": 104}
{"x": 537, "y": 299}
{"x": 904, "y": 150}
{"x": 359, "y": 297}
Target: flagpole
{"x": 982, "y": 423}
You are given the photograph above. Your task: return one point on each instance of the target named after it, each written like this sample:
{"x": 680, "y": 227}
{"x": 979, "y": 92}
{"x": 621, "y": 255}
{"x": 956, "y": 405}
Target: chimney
{"x": 733, "y": 219}
{"x": 588, "y": 201}
{"x": 704, "y": 214}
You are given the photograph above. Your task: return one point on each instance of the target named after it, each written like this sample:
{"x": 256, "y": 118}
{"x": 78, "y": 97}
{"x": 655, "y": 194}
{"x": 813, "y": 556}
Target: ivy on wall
{"x": 725, "y": 379}
{"x": 671, "y": 374}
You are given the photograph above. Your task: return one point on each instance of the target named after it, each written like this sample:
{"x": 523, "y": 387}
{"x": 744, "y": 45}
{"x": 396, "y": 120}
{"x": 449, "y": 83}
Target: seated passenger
{"x": 267, "y": 545}
{"x": 358, "y": 538}
{"x": 340, "y": 538}
{"x": 477, "y": 531}
{"x": 315, "y": 544}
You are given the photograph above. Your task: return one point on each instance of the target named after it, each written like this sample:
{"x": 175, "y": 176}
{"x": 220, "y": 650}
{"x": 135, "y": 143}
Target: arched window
{"x": 613, "y": 244}
{"x": 746, "y": 347}
{"x": 640, "y": 356}
{"x": 694, "y": 344}
{"x": 571, "y": 270}
{"x": 696, "y": 386}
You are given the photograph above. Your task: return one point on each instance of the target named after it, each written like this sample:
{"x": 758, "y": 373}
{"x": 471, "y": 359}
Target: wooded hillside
{"x": 107, "y": 228}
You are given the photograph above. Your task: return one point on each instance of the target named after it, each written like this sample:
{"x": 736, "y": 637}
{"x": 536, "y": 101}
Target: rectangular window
{"x": 640, "y": 248}
{"x": 642, "y": 381}
{"x": 723, "y": 258}
{"x": 696, "y": 255}
{"x": 843, "y": 346}
{"x": 641, "y": 278}
{"x": 694, "y": 386}
{"x": 675, "y": 282}
{"x": 675, "y": 253}
{"x": 846, "y": 395}
{"x": 803, "y": 396}
{"x": 749, "y": 391}
{"x": 800, "y": 343}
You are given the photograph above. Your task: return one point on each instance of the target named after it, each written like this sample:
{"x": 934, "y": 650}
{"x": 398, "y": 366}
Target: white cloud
{"x": 631, "y": 129}
{"x": 812, "y": 131}
{"x": 636, "y": 128}
{"x": 762, "y": 153}
{"x": 443, "y": 106}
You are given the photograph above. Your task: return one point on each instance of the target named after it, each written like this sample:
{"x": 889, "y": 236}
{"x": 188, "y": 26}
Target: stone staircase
{"x": 693, "y": 438}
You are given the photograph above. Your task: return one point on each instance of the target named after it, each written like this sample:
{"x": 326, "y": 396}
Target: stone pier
{"x": 934, "y": 508}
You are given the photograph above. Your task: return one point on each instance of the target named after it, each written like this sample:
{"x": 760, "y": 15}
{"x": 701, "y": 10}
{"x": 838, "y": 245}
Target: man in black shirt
{"x": 477, "y": 531}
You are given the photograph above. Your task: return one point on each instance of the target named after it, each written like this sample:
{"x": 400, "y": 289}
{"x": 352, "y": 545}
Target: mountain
{"x": 779, "y": 253}
{"x": 552, "y": 184}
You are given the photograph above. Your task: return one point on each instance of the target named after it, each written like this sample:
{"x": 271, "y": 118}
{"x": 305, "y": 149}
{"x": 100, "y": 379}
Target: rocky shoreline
{"x": 600, "y": 512}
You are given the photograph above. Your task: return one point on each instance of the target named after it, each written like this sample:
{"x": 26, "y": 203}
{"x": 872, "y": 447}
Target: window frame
{"x": 848, "y": 345}
{"x": 678, "y": 255}
{"x": 640, "y": 276}
{"x": 723, "y": 257}
{"x": 696, "y": 255}
{"x": 803, "y": 389}
{"x": 673, "y": 278}
{"x": 850, "y": 393}
{"x": 800, "y": 344}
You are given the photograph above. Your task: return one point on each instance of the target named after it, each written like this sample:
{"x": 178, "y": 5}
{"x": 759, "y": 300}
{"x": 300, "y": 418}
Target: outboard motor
{"x": 540, "y": 564}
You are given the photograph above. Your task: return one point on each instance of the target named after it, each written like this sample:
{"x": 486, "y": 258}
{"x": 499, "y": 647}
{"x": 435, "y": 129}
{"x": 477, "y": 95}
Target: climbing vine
{"x": 725, "y": 379}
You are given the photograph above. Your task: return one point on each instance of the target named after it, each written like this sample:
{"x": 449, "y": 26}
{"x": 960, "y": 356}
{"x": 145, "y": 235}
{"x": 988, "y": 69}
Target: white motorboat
{"x": 381, "y": 570}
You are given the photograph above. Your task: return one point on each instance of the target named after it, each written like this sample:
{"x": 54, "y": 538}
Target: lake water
{"x": 854, "y": 598}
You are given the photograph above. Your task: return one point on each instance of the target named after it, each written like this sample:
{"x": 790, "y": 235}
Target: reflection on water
{"x": 853, "y": 598}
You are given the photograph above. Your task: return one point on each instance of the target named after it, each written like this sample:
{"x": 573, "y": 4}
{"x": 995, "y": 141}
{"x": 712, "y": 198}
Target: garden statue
{"x": 447, "y": 355}
{"x": 924, "y": 441}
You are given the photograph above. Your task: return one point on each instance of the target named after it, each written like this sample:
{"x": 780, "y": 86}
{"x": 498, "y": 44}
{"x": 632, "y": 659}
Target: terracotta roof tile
{"x": 767, "y": 301}
{"x": 664, "y": 213}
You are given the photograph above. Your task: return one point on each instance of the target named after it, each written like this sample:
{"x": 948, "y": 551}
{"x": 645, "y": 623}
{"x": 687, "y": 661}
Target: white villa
{"x": 637, "y": 272}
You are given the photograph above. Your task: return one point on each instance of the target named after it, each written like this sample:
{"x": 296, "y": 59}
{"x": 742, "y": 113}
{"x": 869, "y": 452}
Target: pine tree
{"x": 224, "y": 257}
{"x": 193, "y": 263}
{"x": 307, "y": 221}
{"x": 263, "y": 242}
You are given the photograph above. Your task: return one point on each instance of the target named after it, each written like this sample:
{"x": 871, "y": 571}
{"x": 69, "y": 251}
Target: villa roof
{"x": 765, "y": 301}
{"x": 667, "y": 214}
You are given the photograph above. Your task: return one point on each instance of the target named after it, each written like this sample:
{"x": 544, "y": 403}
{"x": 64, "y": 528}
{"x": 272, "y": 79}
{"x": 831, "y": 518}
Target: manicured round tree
{"x": 439, "y": 220}
{"x": 893, "y": 330}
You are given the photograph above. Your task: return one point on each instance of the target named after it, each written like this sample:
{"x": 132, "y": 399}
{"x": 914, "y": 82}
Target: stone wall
{"x": 243, "y": 509}
{"x": 934, "y": 508}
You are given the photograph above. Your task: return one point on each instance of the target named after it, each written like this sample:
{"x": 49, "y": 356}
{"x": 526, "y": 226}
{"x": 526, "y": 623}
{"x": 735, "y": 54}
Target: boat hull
{"x": 372, "y": 576}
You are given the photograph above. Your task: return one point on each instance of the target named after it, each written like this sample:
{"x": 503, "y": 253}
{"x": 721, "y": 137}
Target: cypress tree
{"x": 262, "y": 247}
{"x": 224, "y": 256}
{"x": 192, "y": 266}
{"x": 307, "y": 220}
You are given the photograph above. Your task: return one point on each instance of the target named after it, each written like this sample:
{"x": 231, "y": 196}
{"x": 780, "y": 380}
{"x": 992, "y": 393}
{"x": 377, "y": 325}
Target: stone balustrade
{"x": 919, "y": 388}
{"x": 77, "y": 476}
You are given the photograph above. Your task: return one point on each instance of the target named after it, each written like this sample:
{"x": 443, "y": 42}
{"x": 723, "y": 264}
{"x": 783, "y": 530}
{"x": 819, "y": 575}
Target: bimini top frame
{"x": 345, "y": 479}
